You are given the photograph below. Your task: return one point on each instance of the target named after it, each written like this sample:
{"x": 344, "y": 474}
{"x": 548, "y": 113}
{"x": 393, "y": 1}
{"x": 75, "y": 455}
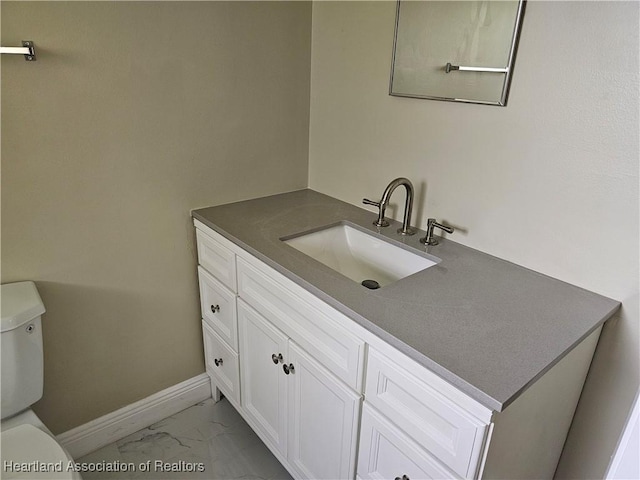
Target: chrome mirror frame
{"x": 508, "y": 70}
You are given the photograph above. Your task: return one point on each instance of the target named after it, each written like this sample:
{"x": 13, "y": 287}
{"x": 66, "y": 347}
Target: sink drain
{"x": 370, "y": 284}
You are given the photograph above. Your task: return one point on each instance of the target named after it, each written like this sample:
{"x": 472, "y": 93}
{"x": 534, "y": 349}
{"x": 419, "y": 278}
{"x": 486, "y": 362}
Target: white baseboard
{"x": 109, "y": 428}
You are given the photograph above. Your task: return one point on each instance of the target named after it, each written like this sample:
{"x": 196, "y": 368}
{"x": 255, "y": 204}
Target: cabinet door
{"x": 263, "y": 382}
{"x": 386, "y": 453}
{"x": 323, "y": 420}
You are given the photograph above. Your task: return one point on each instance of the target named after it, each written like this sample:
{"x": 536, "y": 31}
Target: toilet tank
{"x": 22, "y": 355}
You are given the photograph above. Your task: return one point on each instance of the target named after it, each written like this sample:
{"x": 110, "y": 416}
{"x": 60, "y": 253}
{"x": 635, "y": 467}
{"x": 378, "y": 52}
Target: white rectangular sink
{"x": 360, "y": 256}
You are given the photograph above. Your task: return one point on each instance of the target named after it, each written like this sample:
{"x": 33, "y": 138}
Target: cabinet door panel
{"x": 323, "y": 420}
{"x": 387, "y": 453}
{"x": 263, "y": 381}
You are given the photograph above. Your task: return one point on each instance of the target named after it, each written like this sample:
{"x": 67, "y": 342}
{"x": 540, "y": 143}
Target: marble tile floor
{"x": 210, "y": 437}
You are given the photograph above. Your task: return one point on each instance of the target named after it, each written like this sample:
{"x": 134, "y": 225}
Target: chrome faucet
{"x": 384, "y": 202}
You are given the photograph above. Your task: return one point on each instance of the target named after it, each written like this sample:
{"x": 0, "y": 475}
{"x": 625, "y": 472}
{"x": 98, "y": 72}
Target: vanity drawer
{"x": 435, "y": 421}
{"x": 387, "y": 453}
{"x": 312, "y": 326}
{"x": 216, "y": 258}
{"x": 222, "y": 364}
{"x": 219, "y": 308}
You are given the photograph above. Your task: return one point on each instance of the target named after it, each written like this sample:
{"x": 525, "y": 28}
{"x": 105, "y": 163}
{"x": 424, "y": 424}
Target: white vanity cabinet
{"x": 295, "y": 403}
{"x": 285, "y": 363}
{"x": 334, "y": 401}
{"x": 300, "y": 374}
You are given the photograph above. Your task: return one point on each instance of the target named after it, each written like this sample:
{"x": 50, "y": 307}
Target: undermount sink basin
{"x": 360, "y": 256}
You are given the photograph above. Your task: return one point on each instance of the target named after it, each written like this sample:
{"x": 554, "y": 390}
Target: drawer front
{"x": 333, "y": 346}
{"x": 439, "y": 425}
{"x": 218, "y": 306}
{"x": 387, "y": 454}
{"x": 217, "y": 259}
{"x": 222, "y": 364}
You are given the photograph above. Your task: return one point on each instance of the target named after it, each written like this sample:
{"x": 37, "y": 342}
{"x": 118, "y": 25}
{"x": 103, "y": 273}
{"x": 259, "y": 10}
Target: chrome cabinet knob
{"x": 276, "y": 358}
{"x": 218, "y": 362}
{"x": 404, "y": 477}
{"x": 215, "y": 308}
{"x": 288, "y": 368}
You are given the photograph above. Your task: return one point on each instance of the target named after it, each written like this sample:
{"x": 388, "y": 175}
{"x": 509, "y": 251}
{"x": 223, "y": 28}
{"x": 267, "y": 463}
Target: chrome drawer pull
{"x": 215, "y": 308}
{"x": 218, "y": 362}
{"x": 276, "y": 358}
{"x": 449, "y": 68}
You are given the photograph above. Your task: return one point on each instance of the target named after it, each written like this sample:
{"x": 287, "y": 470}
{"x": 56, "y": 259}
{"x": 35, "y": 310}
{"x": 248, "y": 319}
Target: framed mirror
{"x": 458, "y": 51}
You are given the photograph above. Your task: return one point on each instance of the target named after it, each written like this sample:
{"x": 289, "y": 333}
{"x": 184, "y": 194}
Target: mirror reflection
{"x": 455, "y": 50}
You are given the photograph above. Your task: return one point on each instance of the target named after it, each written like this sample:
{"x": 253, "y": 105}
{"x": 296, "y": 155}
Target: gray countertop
{"x": 486, "y": 325}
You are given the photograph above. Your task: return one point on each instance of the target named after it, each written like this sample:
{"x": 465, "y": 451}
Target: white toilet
{"x": 29, "y": 449}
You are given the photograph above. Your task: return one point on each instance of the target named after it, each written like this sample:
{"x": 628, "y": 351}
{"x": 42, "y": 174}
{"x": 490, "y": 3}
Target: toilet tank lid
{"x": 20, "y": 303}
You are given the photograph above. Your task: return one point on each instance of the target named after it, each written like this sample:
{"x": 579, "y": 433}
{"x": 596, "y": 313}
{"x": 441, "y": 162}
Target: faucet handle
{"x": 380, "y": 222}
{"x": 431, "y": 224}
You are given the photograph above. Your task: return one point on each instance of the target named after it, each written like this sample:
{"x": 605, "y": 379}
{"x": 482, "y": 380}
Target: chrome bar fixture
{"x": 28, "y": 49}
{"x": 448, "y": 68}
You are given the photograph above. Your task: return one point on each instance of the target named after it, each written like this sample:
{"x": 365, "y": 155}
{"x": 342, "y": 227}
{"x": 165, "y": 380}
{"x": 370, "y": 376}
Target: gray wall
{"x": 134, "y": 114}
{"x": 549, "y": 182}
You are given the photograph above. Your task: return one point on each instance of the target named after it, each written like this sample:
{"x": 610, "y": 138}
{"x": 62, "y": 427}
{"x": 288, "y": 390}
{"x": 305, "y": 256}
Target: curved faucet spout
{"x": 408, "y": 205}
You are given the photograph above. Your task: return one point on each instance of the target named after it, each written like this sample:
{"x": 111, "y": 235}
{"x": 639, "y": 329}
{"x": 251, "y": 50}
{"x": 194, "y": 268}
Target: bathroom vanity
{"x": 470, "y": 368}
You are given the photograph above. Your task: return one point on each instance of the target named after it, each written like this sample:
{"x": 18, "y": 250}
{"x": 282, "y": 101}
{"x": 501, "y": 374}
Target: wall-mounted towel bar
{"x": 448, "y": 68}
{"x": 28, "y": 49}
